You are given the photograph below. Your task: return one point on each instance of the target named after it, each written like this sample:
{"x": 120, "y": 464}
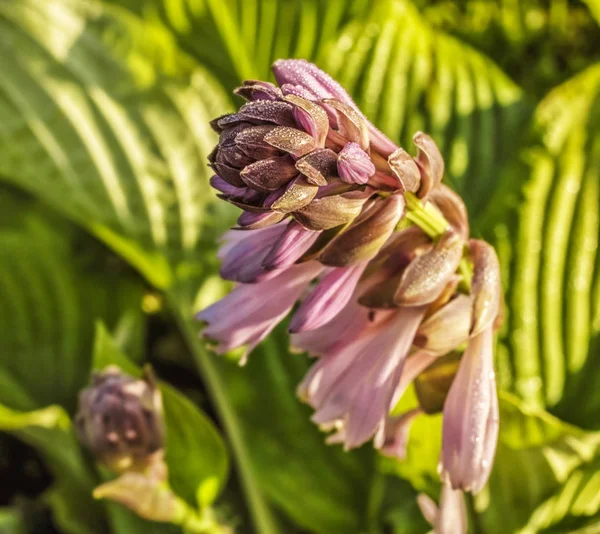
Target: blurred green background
{"x": 108, "y": 235}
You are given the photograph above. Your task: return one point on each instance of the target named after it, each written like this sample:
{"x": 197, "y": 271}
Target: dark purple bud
{"x": 296, "y": 142}
{"x": 226, "y": 188}
{"x": 354, "y": 165}
{"x": 120, "y": 419}
{"x": 257, "y": 90}
{"x": 280, "y": 113}
{"x": 319, "y": 166}
{"x": 269, "y": 174}
{"x": 252, "y": 142}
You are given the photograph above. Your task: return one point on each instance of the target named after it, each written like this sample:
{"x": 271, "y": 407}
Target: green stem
{"x": 259, "y": 510}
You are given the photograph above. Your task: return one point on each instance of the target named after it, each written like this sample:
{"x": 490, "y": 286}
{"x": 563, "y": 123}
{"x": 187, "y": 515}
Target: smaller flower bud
{"x": 354, "y": 165}
{"x": 120, "y": 419}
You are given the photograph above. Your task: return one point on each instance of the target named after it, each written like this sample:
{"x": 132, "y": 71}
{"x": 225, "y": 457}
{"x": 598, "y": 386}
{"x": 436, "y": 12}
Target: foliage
{"x": 106, "y": 218}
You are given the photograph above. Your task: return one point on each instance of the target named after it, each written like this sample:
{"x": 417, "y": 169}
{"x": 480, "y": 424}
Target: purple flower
{"x": 376, "y": 251}
{"x": 470, "y": 428}
{"x": 251, "y": 311}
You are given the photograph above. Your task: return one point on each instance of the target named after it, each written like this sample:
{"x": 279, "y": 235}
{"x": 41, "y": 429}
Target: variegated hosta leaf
{"x": 548, "y": 247}
{"x": 122, "y": 154}
{"x": 55, "y": 282}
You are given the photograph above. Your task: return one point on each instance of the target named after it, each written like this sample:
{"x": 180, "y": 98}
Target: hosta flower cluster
{"x": 372, "y": 252}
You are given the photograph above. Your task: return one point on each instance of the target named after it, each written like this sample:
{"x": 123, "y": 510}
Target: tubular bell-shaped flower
{"x": 377, "y": 252}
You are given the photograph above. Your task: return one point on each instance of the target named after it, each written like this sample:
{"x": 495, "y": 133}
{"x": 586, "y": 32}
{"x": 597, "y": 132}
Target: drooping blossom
{"x": 385, "y": 299}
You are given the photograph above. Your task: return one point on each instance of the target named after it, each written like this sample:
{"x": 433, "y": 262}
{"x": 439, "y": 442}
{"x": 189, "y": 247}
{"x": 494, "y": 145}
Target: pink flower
{"x": 470, "y": 428}
{"x": 251, "y": 311}
{"x": 354, "y": 385}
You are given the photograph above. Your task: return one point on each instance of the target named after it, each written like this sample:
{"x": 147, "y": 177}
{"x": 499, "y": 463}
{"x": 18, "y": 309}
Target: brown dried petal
{"x": 252, "y": 142}
{"x": 350, "y": 123}
{"x": 297, "y": 195}
{"x": 430, "y": 162}
{"x": 269, "y": 174}
{"x": 452, "y": 208}
{"x": 427, "y": 275}
{"x": 315, "y": 115}
{"x": 485, "y": 285}
{"x": 254, "y": 221}
{"x": 447, "y": 328}
{"x": 229, "y": 174}
{"x": 291, "y": 140}
{"x": 277, "y": 112}
{"x": 366, "y": 234}
{"x": 318, "y": 166}
{"x": 405, "y": 168}
{"x": 329, "y": 212}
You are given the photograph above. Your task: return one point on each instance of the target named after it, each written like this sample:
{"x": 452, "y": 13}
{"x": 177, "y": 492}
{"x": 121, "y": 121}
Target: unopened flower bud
{"x": 354, "y": 164}
{"x": 120, "y": 419}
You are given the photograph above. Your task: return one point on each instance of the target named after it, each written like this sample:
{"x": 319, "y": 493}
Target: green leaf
{"x": 11, "y": 521}
{"x": 536, "y": 454}
{"x": 129, "y": 152}
{"x": 551, "y": 265}
{"x": 322, "y": 488}
{"x": 576, "y": 501}
{"x": 51, "y": 292}
{"x": 49, "y": 431}
{"x": 195, "y": 453}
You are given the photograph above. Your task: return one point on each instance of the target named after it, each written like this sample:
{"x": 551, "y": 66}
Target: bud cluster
{"x": 377, "y": 251}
